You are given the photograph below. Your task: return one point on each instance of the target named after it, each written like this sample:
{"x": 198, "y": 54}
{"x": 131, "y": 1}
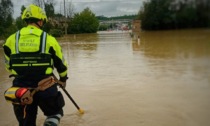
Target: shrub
{"x": 56, "y": 32}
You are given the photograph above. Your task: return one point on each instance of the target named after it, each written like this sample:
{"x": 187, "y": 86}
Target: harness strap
{"x": 43, "y": 42}
{"x": 16, "y": 41}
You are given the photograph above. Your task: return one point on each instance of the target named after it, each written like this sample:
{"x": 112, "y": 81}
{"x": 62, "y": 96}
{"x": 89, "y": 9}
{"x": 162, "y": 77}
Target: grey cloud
{"x": 99, "y": 7}
{"x": 111, "y": 7}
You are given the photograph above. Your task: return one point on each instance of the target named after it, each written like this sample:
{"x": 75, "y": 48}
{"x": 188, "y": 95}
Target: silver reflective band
{"x": 43, "y": 42}
{"x": 16, "y": 43}
{"x": 53, "y": 119}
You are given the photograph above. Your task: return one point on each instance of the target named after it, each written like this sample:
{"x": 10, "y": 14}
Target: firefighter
{"x": 31, "y": 56}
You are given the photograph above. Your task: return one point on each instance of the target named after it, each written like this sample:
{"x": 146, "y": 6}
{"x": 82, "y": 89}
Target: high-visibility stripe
{"x": 20, "y": 65}
{"x": 41, "y": 64}
{"x": 11, "y": 92}
{"x": 63, "y": 74}
{"x": 16, "y": 42}
{"x": 10, "y": 95}
{"x": 37, "y": 64}
{"x": 43, "y": 42}
{"x": 53, "y": 119}
{"x": 27, "y": 61}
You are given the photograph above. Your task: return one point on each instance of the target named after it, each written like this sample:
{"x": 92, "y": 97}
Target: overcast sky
{"x": 99, "y": 7}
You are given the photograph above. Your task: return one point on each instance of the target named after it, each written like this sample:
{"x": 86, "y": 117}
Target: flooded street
{"x": 162, "y": 80}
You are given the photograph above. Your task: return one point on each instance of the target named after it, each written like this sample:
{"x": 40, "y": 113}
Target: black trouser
{"x": 50, "y": 102}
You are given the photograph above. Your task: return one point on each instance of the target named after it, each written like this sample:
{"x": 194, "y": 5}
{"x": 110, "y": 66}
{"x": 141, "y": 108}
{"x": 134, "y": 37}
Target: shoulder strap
{"x": 17, "y": 36}
{"x": 43, "y": 42}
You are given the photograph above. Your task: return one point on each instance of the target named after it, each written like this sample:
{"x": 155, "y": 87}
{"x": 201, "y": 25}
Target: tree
{"x": 6, "y": 11}
{"x": 70, "y": 10}
{"x": 138, "y": 15}
{"x": 203, "y": 15}
{"x": 19, "y": 22}
{"x": 22, "y": 9}
{"x": 103, "y": 27}
{"x": 39, "y": 3}
{"x": 156, "y": 14}
{"x": 186, "y": 16}
{"x": 84, "y": 22}
{"x": 169, "y": 14}
{"x": 49, "y": 9}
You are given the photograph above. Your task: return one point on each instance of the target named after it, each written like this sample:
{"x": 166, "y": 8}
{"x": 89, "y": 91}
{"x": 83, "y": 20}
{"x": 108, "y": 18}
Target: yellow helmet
{"x": 34, "y": 12}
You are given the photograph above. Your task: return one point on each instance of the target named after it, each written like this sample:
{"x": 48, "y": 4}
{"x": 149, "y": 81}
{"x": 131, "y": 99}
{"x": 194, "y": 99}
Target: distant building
{"x": 136, "y": 26}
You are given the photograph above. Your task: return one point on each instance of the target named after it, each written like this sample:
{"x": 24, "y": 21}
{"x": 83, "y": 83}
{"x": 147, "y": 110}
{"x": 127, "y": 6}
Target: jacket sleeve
{"x": 8, "y": 52}
{"x": 57, "y": 55}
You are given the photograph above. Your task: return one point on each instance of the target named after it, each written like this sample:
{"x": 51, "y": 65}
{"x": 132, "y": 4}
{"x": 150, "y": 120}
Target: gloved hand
{"x": 62, "y": 81}
{"x": 63, "y": 84}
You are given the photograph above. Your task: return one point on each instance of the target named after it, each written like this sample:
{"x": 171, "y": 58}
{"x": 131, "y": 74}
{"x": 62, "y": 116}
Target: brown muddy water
{"x": 162, "y": 80}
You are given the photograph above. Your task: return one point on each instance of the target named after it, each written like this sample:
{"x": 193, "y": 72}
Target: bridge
{"x": 117, "y": 24}
{"x": 117, "y": 21}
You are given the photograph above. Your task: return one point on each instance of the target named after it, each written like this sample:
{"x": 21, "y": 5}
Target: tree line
{"x": 103, "y": 18}
{"x": 83, "y": 22}
{"x": 174, "y": 14}
{"x": 71, "y": 22}
{"x": 154, "y": 15}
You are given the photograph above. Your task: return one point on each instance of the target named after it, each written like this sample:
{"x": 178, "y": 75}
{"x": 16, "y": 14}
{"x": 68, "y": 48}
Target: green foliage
{"x": 185, "y": 17}
{"x": 47, "y": 27}
{"x": 49, "y": 9}
{"x": 20, "y": 23}
{"x": 156, "y": 15}
{"x": 170, "y": 14}
{"x": 102, "y": 18}
{"x": 203, "y": 13}
{"x": 56, "y": 32}
{"x": 6, "y": 11}
{"x": 84, "y": 22}
{"x": 103, "y": 27}
{"x": 124, "y": 17}
{"x": 116, "y": 17}
{"x": 10, "y": 30}
{"x": 22, "y": 9}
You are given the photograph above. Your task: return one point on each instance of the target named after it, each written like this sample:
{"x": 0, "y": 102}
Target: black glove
{"x": 63, "y": 80}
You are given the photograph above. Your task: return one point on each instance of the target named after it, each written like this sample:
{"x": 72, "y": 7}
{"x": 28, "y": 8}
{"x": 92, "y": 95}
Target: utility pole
{"x": 64, "y": 11}
{"x": 65, "y": 24}
{"x": 60, "y": 7}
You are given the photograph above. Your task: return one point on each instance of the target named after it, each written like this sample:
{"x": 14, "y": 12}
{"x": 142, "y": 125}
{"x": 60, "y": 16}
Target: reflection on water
{"x": 181, "y": 51}
{"x": 175, "y": 43}
{"x": 162, "y": 80}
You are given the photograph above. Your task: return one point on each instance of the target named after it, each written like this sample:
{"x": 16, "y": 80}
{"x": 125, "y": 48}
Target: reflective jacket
{"x": 32, "y": 52}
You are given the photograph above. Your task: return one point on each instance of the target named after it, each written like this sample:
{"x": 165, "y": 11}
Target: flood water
{"x": 161, "y": 80}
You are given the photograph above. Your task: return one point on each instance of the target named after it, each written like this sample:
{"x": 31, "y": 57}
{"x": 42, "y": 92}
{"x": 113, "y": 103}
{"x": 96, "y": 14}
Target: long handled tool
{"x": 78, "y": 108}
{"x": 69, "y": 96}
